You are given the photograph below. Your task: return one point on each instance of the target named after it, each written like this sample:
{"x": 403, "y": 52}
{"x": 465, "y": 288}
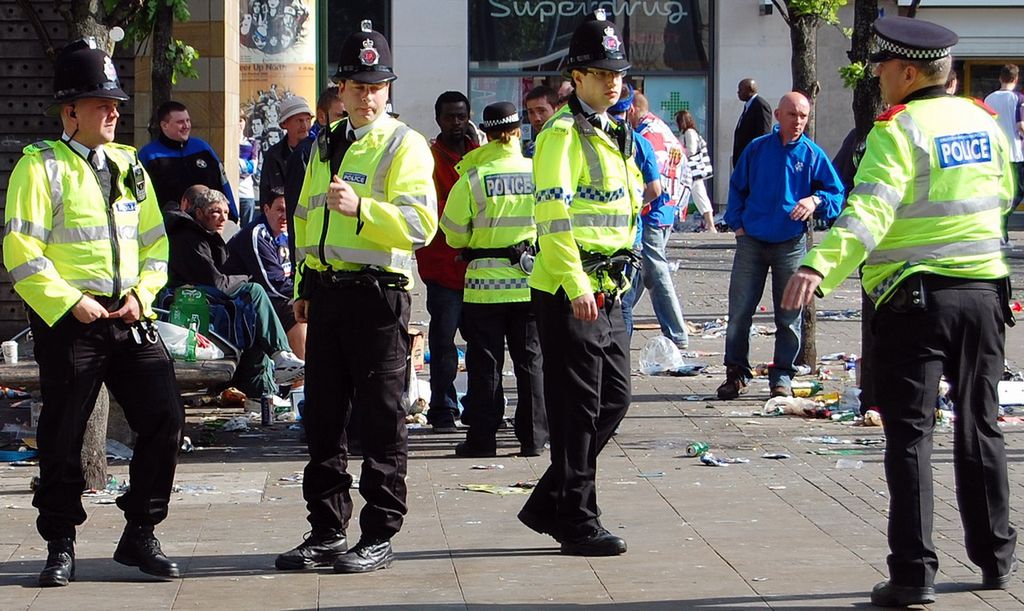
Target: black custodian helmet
{"x": 365, "y": 57}
{"x": 596, "y": 44}
{"x": 83, "y": 71}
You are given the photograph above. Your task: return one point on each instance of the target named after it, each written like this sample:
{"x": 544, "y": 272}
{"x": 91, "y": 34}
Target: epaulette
{"x": 891, "y": 113}
{"x": 37, "y": 147}
{"x": 985, "y": 107}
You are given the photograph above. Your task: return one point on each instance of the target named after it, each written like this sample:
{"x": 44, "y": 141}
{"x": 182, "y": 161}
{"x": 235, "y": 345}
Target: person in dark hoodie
{"x": 199, "y": 257}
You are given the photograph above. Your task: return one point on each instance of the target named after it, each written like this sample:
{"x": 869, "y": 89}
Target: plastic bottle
{"x": 192, "y": 341}
{"x": 806, "y": 389}
{"x": 849, "y": 463}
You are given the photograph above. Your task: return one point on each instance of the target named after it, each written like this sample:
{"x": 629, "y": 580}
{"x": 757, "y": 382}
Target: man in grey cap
{"x": 296, "y": 118}
{"x": 925, "y": 217}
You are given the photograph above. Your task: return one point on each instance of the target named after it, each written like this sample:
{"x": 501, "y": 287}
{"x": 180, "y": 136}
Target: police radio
{"x": 138, "y": 182}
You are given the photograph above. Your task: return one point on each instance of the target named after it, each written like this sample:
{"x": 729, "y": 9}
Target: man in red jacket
{"x": 442, "y": 272}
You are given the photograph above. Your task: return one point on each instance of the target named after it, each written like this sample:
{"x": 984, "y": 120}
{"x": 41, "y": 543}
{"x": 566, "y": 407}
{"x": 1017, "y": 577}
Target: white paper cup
{"x": 10, "y": 348}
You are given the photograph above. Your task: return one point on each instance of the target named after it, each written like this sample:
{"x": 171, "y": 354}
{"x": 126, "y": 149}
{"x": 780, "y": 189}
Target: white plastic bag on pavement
{"x": 660, "y": 354}
{"x": 175, "y": 338}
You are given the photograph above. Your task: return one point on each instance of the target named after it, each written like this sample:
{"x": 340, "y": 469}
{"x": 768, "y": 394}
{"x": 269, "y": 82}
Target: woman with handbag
{"x": 699, "y": 162}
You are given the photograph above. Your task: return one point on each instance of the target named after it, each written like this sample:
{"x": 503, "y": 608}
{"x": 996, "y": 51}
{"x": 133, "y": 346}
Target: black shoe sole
{"x": 286, "y": 564}
{"x": 351, "y": 570}
{"x": 474, "y": 453}
{"x": 55, "y": 583}
{"x": 127, "y": 561}
{"x": 573, "y": 549}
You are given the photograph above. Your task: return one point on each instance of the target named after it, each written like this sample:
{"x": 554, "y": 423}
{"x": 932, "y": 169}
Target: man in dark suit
{"x": 755, "y": 120}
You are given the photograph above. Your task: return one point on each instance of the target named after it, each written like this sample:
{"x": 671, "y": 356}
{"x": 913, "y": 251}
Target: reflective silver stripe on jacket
{"x": 315, "y": 201}
{"x": 921, "y": 152}
{"x": 553, "y": 226}
{"x": 927, "y": 252}
{"x": 452, "y": 226}
{"x": 154, "y": 265}
{"x": 152, "y": 236}
{"x": 485, "y": 284}
{"x": 30, "y": 267}
{"x": 482, "y": 220}
{"x": 590, "y": 154}
{"x": 380, "y": 177}
{"x": 71, "y": 235}
{"x": 359, "y": 256}
{"x": 56, "y": 191}
{"x": 417, "y": 234}
{"x": 101, "y": 286}
{"x": 601, "y": 220}
{"x": 886, "y": 193}
{"x": 930, "y": 209}
{"x": 27, "y": 228}
{"x": 490, "y": 263}
{"x": 859, "y": 230}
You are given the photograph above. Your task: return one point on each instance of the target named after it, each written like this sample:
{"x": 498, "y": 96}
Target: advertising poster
{"x": 277, "y": 60}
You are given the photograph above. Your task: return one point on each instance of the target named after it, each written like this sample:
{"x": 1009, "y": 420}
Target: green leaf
{"x": 853, "y": 74}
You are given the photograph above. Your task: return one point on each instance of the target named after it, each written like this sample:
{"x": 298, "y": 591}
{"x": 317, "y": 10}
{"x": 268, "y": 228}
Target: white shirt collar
{"x": 589, "y": 110}
{"x": 362, "y": 131}
{"x": 747, "y": 104}
{"x": 84, "y": 151}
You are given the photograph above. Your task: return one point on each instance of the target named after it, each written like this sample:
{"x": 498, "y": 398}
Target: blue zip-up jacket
{"x": 647, "y": 161}
{"x": 770, "y": 178}
{"x": 175, "y": 166}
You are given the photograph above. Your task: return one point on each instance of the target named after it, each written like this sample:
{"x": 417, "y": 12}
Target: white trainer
{"x": 287, "y": 367}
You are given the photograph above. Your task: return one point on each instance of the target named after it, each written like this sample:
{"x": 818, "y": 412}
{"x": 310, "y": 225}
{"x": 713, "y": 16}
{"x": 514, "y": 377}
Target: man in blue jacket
{"x": 175, "y": 161}
{"x": 781, "y": 182}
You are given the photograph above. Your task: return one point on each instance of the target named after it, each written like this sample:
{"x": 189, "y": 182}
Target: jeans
{"x": 246, "y": 210}
{"x": 746, "y": 284}
{"x": 630, "y": 297}
{"x": 445, "y": 308}
{"x": 657, "y": 278}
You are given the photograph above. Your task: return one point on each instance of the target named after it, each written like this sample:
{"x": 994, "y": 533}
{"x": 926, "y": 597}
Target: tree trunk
{"x": 803, "y": 32}
{"x": 85, "y": 18}
{"x": 163, "y": 67}
{"x": 94, "y": 446}
{"x": 867, "y": 103}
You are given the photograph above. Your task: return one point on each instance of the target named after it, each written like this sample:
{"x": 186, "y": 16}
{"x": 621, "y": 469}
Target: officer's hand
{"x": 301, "y": 308}
{"x": 88, "y": 310}
{"x": 584, "y": 307}
{"x": 804, "y": 209}
{"x": 342, "y": 198}
{"x": 800, "y": 288}
{"x": 130, "y": 311}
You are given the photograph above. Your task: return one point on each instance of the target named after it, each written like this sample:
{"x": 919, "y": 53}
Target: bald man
{"x": 781, "y": 182}
{"x": 755, "y": 120}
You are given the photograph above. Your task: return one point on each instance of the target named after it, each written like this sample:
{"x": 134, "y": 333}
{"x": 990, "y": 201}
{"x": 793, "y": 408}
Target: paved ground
{"x": 779, "y": 534}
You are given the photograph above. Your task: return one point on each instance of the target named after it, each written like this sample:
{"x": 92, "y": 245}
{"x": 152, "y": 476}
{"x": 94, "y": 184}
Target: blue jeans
{"x": 657, "y": 278}
{"x": 746, "y": 284}
{"x": 445, "y": 308}
{"x": 246, "y": 211}
{"x": 629, "y": 298}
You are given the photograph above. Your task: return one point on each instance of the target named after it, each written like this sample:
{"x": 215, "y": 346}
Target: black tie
{"x": 102, "y": 174}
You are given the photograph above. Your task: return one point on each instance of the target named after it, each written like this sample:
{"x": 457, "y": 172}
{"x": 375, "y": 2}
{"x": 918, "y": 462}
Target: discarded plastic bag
{"x": 658, "y": 355}
{"x": 795, "y": 406}
{"x": 118, "y": 451}
{"x": 176, "y": 337}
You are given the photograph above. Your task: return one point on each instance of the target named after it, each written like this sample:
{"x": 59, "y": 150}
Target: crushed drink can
{"x": 266, "y": 410}
{"x": 696, "y": 448}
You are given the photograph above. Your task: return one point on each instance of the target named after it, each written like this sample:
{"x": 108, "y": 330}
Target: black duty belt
{"x": 594, "y": 263}
{"x": 111, "y": 304}
{"x": 362, "y": 278}
{"x": 513, "y": 253}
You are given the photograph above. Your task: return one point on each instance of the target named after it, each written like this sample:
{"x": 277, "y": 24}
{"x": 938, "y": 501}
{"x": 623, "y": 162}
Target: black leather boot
{"x": 140, "y": 548}
{"x": 320, "y": 548}
{"x": 368, "y": 555}
{"x": 60, "y": 563}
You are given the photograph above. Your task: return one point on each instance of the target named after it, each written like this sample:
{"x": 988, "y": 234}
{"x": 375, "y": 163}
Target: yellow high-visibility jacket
{"x": 588, "y": 197}
{"x": 491, "y": 206}
{"x": 929, "y": 196}
{"x": 391, "y": 169}
{"x": 63, "y": 239}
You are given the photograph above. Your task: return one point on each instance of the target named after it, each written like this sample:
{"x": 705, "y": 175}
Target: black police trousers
{"x": 74, "y": 360}
{"x": 587, "y": 393}
{"x": 485, "y": 327}
{"x": 959, "y": 331}
{"x": 357, "y": 350}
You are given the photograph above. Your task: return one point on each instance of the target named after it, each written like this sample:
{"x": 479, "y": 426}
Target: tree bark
{"x": 94, "y": 446}
{"x": 163, "y": 67}
{"x": 803, "y": 35}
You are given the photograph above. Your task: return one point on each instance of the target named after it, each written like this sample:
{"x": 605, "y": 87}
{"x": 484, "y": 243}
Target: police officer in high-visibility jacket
{"x": 924, "y": 217}
{"x": 367, "y": 201}
{"x": 588, "y": 196}
{"x": 489, "y": 214}
{"x": 85, "y": 246}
